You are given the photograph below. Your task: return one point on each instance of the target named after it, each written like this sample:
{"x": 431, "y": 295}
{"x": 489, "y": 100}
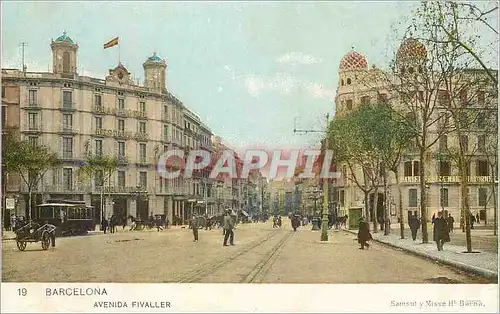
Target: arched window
{"x": 348, "y": 81}
{"x": 342, "y": 82}
{"x": 403, "y": 70}
{"x": 66, "y": 62}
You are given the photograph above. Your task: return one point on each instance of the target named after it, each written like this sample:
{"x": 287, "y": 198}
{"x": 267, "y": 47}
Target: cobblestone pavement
{"x": 261, "y": 254}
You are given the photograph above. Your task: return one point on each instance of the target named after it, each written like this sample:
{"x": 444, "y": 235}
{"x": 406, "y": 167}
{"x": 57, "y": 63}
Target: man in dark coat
{"x": 364, "y": 234}
{"x": 414, "y": 225}
{"x": 104, "y": 225}
{"x": 228, "y": 228}
{"x": 295, "y": 222}
{"x": 450, "y": 221}
{"x": 441, "y": 234}
{"x": 195, "y": 226}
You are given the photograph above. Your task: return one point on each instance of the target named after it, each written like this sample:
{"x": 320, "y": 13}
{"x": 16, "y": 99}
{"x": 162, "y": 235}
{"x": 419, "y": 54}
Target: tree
{"x": 100, "y": 168}
{"x": 454, "y": 53}
{"x": 30, "y": 161}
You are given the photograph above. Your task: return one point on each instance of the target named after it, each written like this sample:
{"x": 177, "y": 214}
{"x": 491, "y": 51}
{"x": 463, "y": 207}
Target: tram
{"x": 70, "y": 217}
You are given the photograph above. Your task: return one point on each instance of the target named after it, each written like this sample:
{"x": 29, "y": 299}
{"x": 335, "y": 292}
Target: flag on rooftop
{"x": 111, "y": 43}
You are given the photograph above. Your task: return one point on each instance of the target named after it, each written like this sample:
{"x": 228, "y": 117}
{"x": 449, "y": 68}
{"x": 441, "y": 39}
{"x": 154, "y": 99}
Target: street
{"x": 261, "y": 255}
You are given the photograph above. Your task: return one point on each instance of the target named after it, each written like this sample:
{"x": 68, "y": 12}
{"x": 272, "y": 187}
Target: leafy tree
{"x": 100, "y": 168}
{"x": 31, "y": 162}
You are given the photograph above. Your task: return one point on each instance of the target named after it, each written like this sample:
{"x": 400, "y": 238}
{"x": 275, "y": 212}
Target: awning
{"x": 244, "y": 213}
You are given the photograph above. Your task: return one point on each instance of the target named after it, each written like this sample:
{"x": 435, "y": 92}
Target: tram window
{"x": 46, "y": 212}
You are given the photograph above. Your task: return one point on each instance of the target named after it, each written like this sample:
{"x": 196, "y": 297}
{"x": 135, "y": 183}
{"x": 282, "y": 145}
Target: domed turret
{"x": 353, "y": 61}
{"x": 155, "y": 73}
{"x": 411, "y": 49}
{"x": 64, "y": 55}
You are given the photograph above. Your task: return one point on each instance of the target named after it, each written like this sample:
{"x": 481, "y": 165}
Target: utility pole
{"x": 324, "y": 220}
{"x": 23, "y": 44}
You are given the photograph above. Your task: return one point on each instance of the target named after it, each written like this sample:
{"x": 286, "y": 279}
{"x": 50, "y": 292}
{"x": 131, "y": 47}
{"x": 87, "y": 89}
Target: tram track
{"x": 256, "y": 272}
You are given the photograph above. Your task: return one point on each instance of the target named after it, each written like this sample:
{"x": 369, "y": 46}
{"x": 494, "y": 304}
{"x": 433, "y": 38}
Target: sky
{"x": 250, "y": 70}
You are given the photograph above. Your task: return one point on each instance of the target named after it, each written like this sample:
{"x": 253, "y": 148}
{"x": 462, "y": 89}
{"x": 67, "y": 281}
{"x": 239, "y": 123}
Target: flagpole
{"x": 118, "y": 52}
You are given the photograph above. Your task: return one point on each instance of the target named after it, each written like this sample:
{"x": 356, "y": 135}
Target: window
{"x": 421, "y": 96}
{"x": 98, "y": 147}
{"x": 464, "y": 140}
{"x": 467, "y": 168}
{"x": 412, "y": 198}
{"x": 342, "y": 198}
{"x": 68, "y": 178}
{"x": 98, "y": 123}
{"x": 121, "y": 149}
{"x": 408, "y": 169}
{"x": 121, "y": 178}
{"x": 33, "y": 121}
{"x": 121, "y": 125}
{"x": 411, "y": 70}
{"x": 342, "y": 82}
{"x": 142, "y": 107}
{"x": 443, "y": 143}
{"x": 4, "y": 115}
{"x": 482, "y": 168}
{"x": 463, "y": 97}
{"x": 33, "y": 140}
{"x": 142, "y": 127}
{"x": 67, "y": 121}
{"x": 444, "y": 197}
{"x": 67, "y": 99}
{"x": 482, "y": 196}
{"x": 32, "y": 97}
{"x": 97, "y": 101}
{"x": 99, "y": 178}
{"x": 67, "y": 147}
{"x": 480, "y": 97}
{"x": 143, "y": 179}
{"x": 481, "y": 120}
{"x": 165, "y": 131}
{"x": 481, "y": 142}
{"x": 443, "y": 97}
{"x": 3, "y": 91}
{"x": 365, "y": 100}
{"x": 349, "y": 104}
{"x": 382, "y": 98}
{"x": 348, "y": 81}
{"x": 121, "y": 103}
{"x": 142, "y": 152}
{"x": 416, "y": 168}
{"x": 444, "y": 168}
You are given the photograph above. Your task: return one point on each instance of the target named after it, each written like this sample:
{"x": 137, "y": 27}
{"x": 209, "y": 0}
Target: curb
{"x": 486, "y": 273}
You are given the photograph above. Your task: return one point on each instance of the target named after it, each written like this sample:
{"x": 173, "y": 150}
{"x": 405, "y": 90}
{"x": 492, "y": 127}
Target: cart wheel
{"x": 21, "y": 245}
{"x": 45, "y": 241}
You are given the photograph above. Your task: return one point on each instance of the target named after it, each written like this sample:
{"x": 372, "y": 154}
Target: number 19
{"x": 22, "y": 291}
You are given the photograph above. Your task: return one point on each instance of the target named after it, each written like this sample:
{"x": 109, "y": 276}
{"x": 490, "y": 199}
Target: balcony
{"x": 68, "y": 157}
{"x": 165, "y": 117}
{"x": 33, "y": 105}
{"x": 121, "y": 190}
{"x": 121, "y": 160}
{"x": 121, "y": 113}
{"x": 142, "y": 136}
{"x": 68, "y": 129}
{"x": 32, "y": 128}
{"x": 142, "y": 115}
{"x": 143, "y": 162}
{"x": 67, "y": 106}
{"x": 62, "y": 188}
{"x": 98, "y": 109}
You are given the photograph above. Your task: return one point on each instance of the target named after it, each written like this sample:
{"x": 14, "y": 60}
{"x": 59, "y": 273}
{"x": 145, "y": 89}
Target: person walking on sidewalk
{"x": 364, "y": 234}
{"x": 450, "y": 221}
{"x": 228, "y": 228}
{"x": 195, "y": 226}
{"x": 414, "y": 225}
{"x": 441, "y": 234}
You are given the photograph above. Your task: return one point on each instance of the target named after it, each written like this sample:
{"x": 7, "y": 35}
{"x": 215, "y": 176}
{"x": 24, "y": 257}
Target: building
{"x": 78, "y": 116}
{"x": 360, "y": 84}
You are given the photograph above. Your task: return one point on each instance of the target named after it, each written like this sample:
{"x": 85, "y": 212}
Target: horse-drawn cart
{"x": 33, "y": 232}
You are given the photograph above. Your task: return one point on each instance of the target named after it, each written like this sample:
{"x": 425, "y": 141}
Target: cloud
{"x": 297, "y": 58}
{"x": 284, "y": 84}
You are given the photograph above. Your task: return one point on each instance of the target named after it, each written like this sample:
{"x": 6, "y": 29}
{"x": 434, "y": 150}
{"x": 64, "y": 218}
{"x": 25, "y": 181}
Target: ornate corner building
{"x": 77, "y": 115}
{"x": 361, "y": 84}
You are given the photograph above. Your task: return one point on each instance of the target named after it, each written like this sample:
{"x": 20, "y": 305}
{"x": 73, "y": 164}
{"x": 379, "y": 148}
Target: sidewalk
{"x": 483, "y": 263}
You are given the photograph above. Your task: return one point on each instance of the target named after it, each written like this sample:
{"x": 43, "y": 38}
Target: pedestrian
{"x": 472, "y": 221}
{"x": 364, "y": 234}
{"x": 124, "y": 222}
{"x": 279, "y": 222}
{"x": 450, "y": 221}
{"x": 414, "y": 225}
{"x": 295, "y": 223}
{"x": 441, "y": 234}
{"x": 104, "y": 225}
{"x": 112, "y": 223}
{"x": 13, "y": 220}
{"x": 228, "y": 228}
{"x": 52, "y": 233}
{"x": 433, "y": 218}
{"x": 195, "y": 226}
{"x": 478, "y": 218}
